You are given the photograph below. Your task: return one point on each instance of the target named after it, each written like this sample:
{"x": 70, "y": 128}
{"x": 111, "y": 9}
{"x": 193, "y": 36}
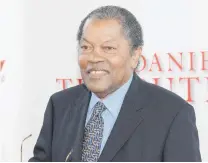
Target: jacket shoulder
{"x": 68, "y": 95}
{"x": 164, "y": 98}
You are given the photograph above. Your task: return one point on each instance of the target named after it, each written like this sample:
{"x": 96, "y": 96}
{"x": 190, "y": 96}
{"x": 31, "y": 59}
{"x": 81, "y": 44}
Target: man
{"x": 115, "y": 115}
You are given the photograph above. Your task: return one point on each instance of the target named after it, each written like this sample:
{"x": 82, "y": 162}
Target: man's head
{"x": 110, "y": 43}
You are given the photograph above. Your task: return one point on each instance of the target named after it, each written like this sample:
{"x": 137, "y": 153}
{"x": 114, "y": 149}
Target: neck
{"x": 103, "y": 95}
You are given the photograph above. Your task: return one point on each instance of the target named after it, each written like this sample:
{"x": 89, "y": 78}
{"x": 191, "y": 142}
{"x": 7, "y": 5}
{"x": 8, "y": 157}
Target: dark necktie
{"x": 93, "y": 134}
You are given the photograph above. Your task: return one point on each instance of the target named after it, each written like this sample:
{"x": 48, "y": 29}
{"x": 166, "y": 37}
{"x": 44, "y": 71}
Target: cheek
{"x": 83, "y": 60}
{"x": 118, "y": 62}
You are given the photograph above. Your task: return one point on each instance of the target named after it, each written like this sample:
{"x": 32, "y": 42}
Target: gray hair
{"x": 131, "y": 27}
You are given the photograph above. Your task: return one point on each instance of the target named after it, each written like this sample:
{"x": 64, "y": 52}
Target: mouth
{"x": 93, "y": 73}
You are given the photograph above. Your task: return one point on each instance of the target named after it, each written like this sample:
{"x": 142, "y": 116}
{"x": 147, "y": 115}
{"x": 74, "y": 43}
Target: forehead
{"x": 102, "y": 30}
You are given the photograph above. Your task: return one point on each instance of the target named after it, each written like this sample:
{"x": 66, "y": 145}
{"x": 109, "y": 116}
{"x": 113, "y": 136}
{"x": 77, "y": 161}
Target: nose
{"x": 95, "y": 56}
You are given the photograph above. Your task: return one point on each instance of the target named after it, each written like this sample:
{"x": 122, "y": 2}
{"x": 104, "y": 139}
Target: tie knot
{"x": 99, "y": 108}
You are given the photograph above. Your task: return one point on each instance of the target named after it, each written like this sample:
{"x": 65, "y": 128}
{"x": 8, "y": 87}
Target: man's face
{"x": 104, "y": 56}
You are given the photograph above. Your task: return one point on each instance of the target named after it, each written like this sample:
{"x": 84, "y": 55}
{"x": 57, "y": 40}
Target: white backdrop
{"x": 38, "y": 49}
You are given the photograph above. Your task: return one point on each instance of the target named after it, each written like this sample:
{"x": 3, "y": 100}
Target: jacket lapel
{"x": 81, "y": 107}
{"x": 128, "y": 120}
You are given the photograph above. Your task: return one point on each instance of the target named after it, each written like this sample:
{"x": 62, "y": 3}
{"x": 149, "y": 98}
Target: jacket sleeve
{"x": 43, "y": 147}
{"x": 182, "y": 143}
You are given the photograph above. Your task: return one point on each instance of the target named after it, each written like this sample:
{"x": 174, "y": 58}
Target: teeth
{"x": 97, "y": 72}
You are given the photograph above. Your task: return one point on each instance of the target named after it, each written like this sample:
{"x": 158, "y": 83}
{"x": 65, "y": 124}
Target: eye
{"x": 109, "y": 48}
{"x": 84, "y": 47}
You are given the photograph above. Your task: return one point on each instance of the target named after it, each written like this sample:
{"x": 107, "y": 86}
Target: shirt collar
{"x": 114, "y": 101}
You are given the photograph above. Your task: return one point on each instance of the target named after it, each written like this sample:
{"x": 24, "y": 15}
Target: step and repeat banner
{"x": 38, "y": 57}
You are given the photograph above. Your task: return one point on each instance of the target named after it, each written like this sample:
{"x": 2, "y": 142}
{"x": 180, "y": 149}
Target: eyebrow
{"x": 86, "y": 40}
{"x": 103, "y": 42}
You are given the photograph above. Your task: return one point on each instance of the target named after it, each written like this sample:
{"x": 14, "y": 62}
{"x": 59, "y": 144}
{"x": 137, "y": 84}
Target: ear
{"x": 135, "y": 57}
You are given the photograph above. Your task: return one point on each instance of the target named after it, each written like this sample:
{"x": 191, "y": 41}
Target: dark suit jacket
{"x": 154, "y": 124}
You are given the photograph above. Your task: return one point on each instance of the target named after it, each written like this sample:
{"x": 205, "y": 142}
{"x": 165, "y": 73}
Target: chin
{"x": 97, "y": 88}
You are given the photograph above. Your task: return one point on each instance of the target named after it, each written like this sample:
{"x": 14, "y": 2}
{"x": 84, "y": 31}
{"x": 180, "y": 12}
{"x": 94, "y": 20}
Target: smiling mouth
{"x": 97, "y": 73}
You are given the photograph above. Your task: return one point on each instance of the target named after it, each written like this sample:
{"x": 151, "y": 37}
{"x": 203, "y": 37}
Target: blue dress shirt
{"x": 113, "y": 103}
